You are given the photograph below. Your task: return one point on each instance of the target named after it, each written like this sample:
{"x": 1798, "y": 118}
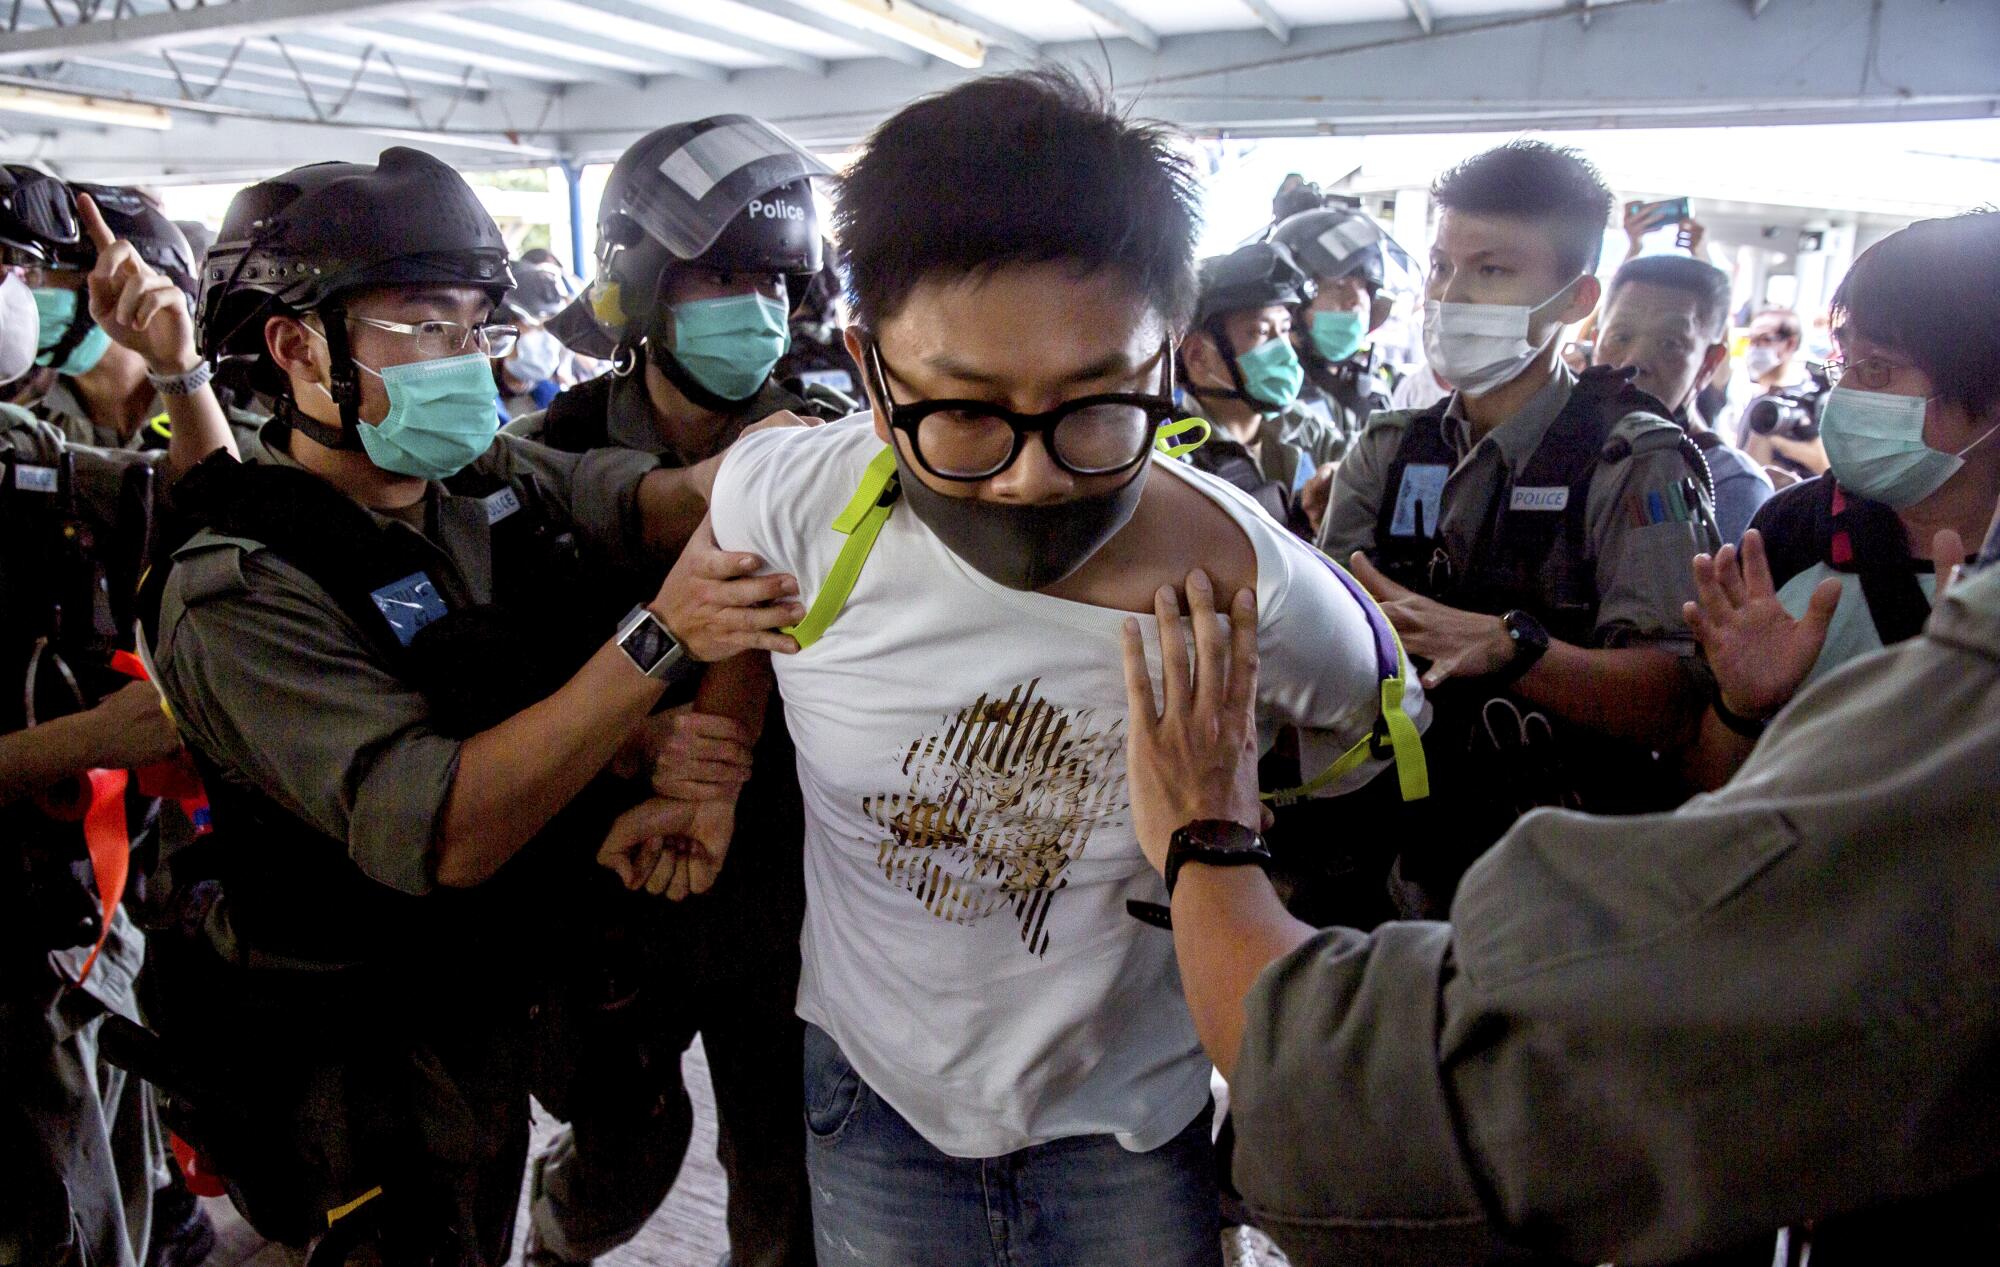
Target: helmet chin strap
{"x": 345, "y": 393}
{"x": 80, "y": 327}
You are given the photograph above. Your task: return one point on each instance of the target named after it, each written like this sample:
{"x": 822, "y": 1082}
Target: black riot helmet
{"x": 299, "y": 242}
{"x": 730, "y": 194}
{"x": 1346, "y": 242}
{"x": 130, "y": 215}
{"x": 1250, "y": 277}
{"x": 37, "y": 215}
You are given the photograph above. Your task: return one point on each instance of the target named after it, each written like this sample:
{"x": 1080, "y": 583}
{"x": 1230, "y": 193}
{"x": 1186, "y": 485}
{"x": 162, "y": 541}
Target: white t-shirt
{"x": 969, "y": 847}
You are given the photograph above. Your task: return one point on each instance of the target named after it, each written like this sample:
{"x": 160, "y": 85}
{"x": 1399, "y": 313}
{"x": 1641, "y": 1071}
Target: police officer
{"x": 399, "y": 709}
{"x": 1352, "y": 261}
{"x": 102, "y": 393}
{"x": 695, "y": 294}
{"x": 1530, "y": 535}
{"x": 1240, "y": 367}
{"x": 79, "y": 837}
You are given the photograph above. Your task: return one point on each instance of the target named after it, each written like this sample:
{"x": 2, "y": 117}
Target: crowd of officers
{"x": 273, "y": 480}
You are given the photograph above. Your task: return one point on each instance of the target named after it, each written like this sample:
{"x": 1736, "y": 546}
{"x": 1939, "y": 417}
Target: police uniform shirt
{"x": 1643, "y": 556}
{"x": 1322, "y": 438}
{"x": 1640, "y": 1039}
{"x": 270, "y": 678}
{"x": 64, "y": 409}
{"x": 630, "y": 422}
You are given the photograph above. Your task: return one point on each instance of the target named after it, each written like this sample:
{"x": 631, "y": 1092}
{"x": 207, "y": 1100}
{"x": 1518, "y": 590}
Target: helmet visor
{"x": 713, "y": 176}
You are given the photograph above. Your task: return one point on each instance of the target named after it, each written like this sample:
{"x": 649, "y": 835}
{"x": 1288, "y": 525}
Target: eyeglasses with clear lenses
{"x": 437, "y": 339}
{"x": 1870, "y": 374}
{"x": 969, "y": 440}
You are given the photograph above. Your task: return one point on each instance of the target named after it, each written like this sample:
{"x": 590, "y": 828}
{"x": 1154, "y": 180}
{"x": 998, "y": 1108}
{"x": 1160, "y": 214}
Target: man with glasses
{"x": 998, "y": 1064}
{"x": 402, "y": 705}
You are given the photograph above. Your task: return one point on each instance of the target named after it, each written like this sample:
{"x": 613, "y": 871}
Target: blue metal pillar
{"x": 573, "y": 177}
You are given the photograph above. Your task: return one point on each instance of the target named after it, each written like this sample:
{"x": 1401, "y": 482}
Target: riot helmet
{"x": 728, "y": 194}
{"x": 300, "y": 242}
{"x": 1337, "y": 242}
{"x": 37, "y": 215}
{"x": 1259, "y": 275}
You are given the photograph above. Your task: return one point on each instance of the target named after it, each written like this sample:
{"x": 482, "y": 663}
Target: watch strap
{"x": 182, "y": 384}
{"x": 1217, "y": 842}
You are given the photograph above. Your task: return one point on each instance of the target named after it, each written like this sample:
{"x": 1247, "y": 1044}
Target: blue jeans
{"x": 882, "y": 1196}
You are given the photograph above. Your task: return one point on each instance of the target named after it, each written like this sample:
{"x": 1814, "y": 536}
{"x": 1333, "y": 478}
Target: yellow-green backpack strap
{"x": 1394, "y": 734}
{"x": 1163, "y": 439}
{"x": 861, "y": 520}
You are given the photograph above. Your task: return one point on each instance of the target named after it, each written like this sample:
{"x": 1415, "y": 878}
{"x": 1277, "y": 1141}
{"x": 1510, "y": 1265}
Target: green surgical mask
{"x": 1337, "y": 335}
{"x": 1271, "y": 373}
{"x": 730, "y": 345}
{"x": 56, "y": 306}
{"x": 443, "y": 415}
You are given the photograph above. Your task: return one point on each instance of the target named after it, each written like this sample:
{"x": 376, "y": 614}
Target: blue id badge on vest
{"x": 1422, "y": 486}
{"x": 409, "y": 604}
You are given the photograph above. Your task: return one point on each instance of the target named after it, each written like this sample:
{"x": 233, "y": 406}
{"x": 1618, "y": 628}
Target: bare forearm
{"x": 31, "y": 760}
{"x": 1633, "y": 693}
{"x": 513, "y": 778}
{"x": 739, "y": 689}
{"x": 199, "y": 429}
{"x": 1228, "y": 927}
{"x": 1716, "y": 754}
{"x": 673, "y": 503}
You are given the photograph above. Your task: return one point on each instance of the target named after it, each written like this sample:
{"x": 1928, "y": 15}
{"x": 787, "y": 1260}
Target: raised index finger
{"x": 92, "y": 220}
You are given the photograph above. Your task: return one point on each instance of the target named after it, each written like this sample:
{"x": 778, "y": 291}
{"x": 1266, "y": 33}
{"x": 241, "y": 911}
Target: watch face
{"x": 648, "y": 644}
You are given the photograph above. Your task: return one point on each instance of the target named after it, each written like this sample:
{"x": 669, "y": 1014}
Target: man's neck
{"x": 688, "y": 429}
{"x": 353, "y": 474}
{"x": 1964, "y": 504}
{"x": 115, "y": 393}
{"x": 1239, "y": 418}
{"x": 1488, "y": 412}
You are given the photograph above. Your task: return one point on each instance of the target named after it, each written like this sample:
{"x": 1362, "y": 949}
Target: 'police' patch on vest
{"x": 1556, "y": 498}
{"x": 409, "y": 604}
{"x": 35, "y": 479}
{"x": 1421, "y": 492}
{"x": 500, "y": 505}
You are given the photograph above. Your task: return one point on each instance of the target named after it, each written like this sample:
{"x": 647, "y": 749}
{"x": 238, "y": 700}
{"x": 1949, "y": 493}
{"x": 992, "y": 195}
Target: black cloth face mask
{"x": 1018, "y": 546}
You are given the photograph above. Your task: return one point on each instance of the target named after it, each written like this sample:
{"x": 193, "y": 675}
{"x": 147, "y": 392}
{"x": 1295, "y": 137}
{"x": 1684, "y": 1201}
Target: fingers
{"x": 1139, "y": 704}
{"x": 1211, "y": 651}
{"x": 1947, "y": 558}
{"x": 1820, "y": 607}
{"x": 1729, "y": 576}
{"x": 745, "y": 618}
{"x": 721, "y": 565}
{"x": 1372, "y": 579}
{"x": 1239, "y": 706}
{"x": 1756, "y": 566}
{"x": 714, "y": 726}
{"x": 92, "y": 220}
{"x": 1173, "y": 651}
{"x": 636, "y": 832}
{"x": 1707, "y": 588}
{"x": 1696, "y": 622}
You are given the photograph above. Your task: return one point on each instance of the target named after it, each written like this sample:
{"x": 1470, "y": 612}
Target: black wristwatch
{"x": 1531, "y": 642}
{"x": 1216, "y": 842}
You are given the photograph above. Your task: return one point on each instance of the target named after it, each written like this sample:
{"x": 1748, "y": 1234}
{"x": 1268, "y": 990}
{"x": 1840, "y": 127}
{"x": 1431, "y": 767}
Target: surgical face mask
{"x": 1761, "y": 359}
{"x": 1337, "y": 335}
{"x": 20, "y": 328}
{"x": 1875, "y": 445}
{"x": 1022, "y": 547}
{"x": 1479, "y": 347}
{"x": 442, "y": 416}
{"x": 56, "y": 308}
{"x": 536, "y": 358}
{"x": 1271, "y": 373}
{"x": 730, "y": 345}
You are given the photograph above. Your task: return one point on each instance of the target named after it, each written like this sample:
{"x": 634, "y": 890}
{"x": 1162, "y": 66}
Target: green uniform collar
{"x": 1519, "y": 436}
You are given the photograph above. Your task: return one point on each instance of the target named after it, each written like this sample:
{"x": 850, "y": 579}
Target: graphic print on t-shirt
{"x": 1002, "y": 800}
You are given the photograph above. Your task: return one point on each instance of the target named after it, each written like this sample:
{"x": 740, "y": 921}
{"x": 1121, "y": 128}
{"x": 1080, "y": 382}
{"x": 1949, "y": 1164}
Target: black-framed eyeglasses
{"x": 970, "y": 440}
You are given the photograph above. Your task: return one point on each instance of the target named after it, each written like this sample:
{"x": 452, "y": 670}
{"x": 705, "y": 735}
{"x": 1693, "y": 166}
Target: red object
{"x": 110, "y": 846}
{"x": 201, "y": 1178}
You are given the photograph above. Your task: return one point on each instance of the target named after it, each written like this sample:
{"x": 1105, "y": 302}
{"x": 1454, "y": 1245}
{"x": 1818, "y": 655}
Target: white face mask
{"x": 1761, "y": 359}
{"x": 1478, "y": 347}
{"x": 536, "y": 357}
{"x": 20, "y": 328}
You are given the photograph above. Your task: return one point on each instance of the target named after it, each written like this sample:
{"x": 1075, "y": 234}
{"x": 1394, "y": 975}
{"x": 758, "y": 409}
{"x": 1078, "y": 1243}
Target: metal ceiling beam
{"x": 1421, "y": 11}
{"x": 244, "y": 76}
{"x": 1122, "y": 21}
{"x": 171, "y": 28}
{"x": 986, "y": 29}
{"x": 645, "y": 11}
{"x": 880, "y": 45}
{"x": 1273, "y": 21}
{"x": 545, "y": 38}
{"x": 346, "y": 45}
{"x": 375, "y": 80}
{"x": 489, "y": 55}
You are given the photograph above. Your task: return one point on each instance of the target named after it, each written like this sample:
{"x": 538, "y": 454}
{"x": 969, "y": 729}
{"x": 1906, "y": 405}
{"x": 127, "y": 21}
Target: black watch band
{"x": 1531, "y": 642}
{"x": 1748, "y": 727}
{"x": 1218, "y": 842}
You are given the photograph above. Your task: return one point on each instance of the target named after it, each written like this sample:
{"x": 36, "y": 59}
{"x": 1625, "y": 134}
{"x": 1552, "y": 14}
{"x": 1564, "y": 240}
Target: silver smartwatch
{"x": 647, "y": 644}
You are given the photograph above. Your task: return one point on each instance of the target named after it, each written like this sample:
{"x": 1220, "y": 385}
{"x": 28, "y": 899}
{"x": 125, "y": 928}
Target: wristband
{"x": 186, "y": 384}
{"x": 1748, "y": 727}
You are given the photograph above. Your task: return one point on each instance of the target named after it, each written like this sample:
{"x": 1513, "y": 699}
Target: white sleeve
{"x": 1320, "y": 669}
{"x": 745, "y": 487}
